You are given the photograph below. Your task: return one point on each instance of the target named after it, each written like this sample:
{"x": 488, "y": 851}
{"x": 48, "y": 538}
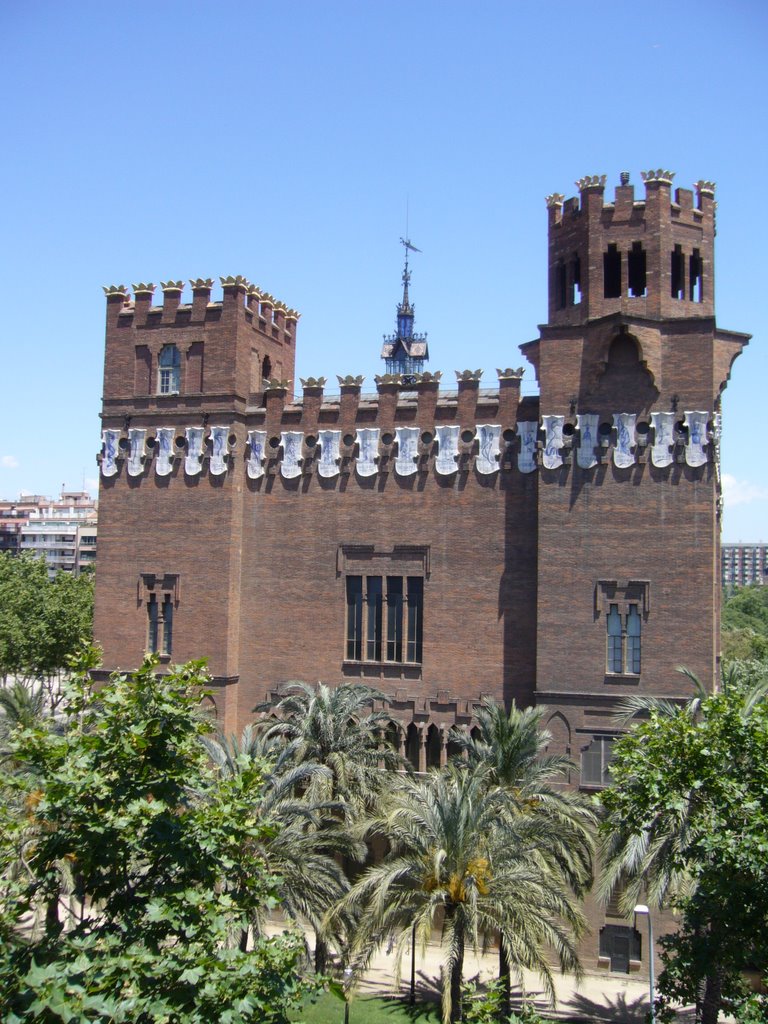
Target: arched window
{"x": 169, "y": 370}
{"x": 433, "y": 747}
{"x": 412, "y": 745}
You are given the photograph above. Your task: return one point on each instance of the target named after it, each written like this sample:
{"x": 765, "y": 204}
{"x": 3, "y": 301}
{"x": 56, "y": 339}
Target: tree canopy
{"x": 745, "y": 623}
{"x": 687, "y": 818}
{"x": 42, "y": 621}
{"x": 130, "y": 868}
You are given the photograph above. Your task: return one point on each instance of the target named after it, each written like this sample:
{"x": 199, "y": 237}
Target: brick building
{"x": 441, "y": 544}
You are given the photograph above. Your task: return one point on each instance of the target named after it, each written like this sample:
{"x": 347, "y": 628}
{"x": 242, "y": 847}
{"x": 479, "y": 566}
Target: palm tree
{"x": 308, "y": 841}
{"x": 20, "y": 707}
{"x": 336, "y": 728}
{"x": 456, "y": 854}
{"x": 510, "y": 748}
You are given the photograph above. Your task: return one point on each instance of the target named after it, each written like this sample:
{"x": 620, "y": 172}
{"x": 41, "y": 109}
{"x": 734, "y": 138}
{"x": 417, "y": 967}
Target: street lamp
{"x": 347, "y": 982}
{"x": 413, "y": 964}
{"x": 642, "y": 909}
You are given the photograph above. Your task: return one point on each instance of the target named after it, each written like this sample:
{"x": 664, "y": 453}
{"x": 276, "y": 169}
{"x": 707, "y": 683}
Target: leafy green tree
{"x": 687, "y": 819}
{"x": 42, "y": 621}
{"x": 510, "y": 746}
{"x": 745, "y": 624}
{"x": 458, "y": 857}
{"x": 164, "y": 860}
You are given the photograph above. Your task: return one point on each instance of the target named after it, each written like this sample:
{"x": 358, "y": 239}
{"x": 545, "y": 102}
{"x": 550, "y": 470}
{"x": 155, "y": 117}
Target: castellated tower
{"x": 631, "y": 366}
{"x": 442, "y": 544}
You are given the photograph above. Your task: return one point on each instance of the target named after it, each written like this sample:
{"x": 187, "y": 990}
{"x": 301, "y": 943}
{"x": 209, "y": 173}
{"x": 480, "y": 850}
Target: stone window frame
{"x": 628, "y": 599}
{"x": 169, "y": 374}
{"x": 159, "y": 594}
{"x": 370, "y": 562}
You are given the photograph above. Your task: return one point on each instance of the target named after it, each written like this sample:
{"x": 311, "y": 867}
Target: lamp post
{"x": 642, "y": 909}
{"x": 347, "y": 983}
{"x": 413, "y": 964}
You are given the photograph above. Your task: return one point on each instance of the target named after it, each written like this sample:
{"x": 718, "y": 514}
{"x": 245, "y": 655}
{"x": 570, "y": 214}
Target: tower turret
{"x": 651, "y": 257}
{"x": 405, "y": 353}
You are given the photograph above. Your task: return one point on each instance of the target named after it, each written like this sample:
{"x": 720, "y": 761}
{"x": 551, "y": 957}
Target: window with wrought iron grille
{"x": 385, "y": 618}
{"x": 169, "y": 370}
{"x": 595, "y": 759}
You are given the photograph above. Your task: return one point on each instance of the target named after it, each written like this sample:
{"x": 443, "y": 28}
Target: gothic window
{"x": 169, "y": 370}
{"x": 624, "y": 634}
{"x": 384, "y": 618}
{"x": 613, "y": 624}
{"x": 624, "y": 608}
{"x": 159, "y": 594}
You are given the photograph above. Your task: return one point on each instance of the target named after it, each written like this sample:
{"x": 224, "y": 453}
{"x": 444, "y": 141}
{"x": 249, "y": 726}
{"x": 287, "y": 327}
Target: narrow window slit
{"x": 612, "y": 273}
{"x": 695, "y": 277}
{"x": 576, "y": 281}
{"x": 637, "y": 271}
{"x": 678, "y": 273}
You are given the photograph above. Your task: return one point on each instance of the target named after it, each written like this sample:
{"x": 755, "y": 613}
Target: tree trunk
{"x": 710, "y": 1006}
{"x": 504, "y": 978}
{"x": 321, "y": 955}
{"x": 52, "y": 922}
{"x": 457, "y": 977}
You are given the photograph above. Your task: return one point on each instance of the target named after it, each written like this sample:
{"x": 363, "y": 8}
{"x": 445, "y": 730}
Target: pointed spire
{"x": 405, "y": 352}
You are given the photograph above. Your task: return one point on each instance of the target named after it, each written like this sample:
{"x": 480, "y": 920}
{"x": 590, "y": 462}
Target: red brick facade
{"x": 520, "y": 570}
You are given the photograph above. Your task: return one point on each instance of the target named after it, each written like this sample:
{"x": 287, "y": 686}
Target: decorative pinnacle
{"x": 143, "y": 289}
{"x": 276, "y": 384}
{"x": 705, "y": 188}
{"x": 665, "y": 177}
{"x": 591, "y": 181}
{"x": 292, "y": 314}
{"x": 509, "y": 373}
{"x": 110, "y": 290}
{"x": 313, "y": 382}
{"x": 238, "y": 282}
{"x": 349, "y": 381}
{"x": 468, "y": 374}
{"x": 201, "y": 283}
{"x": 388, "y": 378}
{"x": 172, "y": 286}
{"x": 555, "y": 199}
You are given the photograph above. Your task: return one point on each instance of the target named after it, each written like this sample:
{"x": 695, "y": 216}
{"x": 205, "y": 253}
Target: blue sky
{"x": 282, "y": 141}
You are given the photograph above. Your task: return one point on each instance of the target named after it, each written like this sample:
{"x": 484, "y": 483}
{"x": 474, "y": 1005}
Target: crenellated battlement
{"x": 651, "y": 256}
{"x": 236, "y": 290}
{"x": 200, "y": 347}
{"x": 681, "y": 205}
